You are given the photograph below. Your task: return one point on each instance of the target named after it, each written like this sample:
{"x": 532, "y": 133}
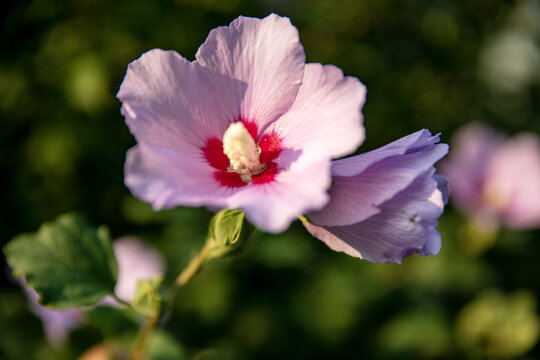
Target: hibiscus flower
{"x": 385, "y": 203}
{"x": 247, "y": 125}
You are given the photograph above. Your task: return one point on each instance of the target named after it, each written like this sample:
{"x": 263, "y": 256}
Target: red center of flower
{"x": 268, "y": 149}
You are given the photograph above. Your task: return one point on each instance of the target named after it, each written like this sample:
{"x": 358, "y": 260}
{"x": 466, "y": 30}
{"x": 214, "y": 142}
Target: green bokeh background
{"x": 426, "y": 64}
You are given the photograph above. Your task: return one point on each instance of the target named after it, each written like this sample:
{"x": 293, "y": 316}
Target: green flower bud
{"x": 227, "y": 232}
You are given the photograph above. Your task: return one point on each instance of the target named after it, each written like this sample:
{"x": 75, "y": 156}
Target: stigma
{"x": 241, "y": 150}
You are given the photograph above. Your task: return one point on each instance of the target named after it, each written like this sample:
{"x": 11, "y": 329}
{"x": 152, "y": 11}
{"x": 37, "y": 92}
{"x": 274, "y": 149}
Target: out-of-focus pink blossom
{"x": 495, "y": 180}
{"x": 56, "y": 324}
{"x": 136, "y": 261}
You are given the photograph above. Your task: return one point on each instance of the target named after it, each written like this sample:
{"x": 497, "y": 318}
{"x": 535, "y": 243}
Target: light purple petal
{"x": 256, "y": 66}
{"x": 326, "y": 118}
{"x": 153, "y": 174}
{"x": 414, "y": 142}
{"x": 512, "y": 183}
{"x": 444, "y": 187}
{"x": 136, "y": 261}
{"x": 57, "y": 325}
{"x": 472, "y": 147}
{"x": 324, "y": 121}
{"x": 404, "y": 226}
{"x": 273, "y": 206}
{"x": 363, "y": 182}
{"x": 167, "y": 101}
{"x": 167, "y": 178}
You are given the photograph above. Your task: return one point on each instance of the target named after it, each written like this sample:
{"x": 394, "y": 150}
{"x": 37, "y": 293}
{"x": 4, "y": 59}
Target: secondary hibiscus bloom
{"x": 384, "y": 204}
{"x": 495, "y": 180}
{"x": 247, "y": 125}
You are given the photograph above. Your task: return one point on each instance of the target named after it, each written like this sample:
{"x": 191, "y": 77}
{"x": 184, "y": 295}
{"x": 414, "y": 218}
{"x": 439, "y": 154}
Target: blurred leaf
{"x": 68, "y": 262}
{"x": 210, "y": 295}
{"x": 221, "y": 353}
{"x": 87, "y": 83}
{"x": 422, "y": 331}
{"x": 147, "y": 299}
{"x": 290, "y": 249}
{"x": 440, "y": 28}
{"x": 253, "y": 327}
{"x": 475, "y": 238}
{"x": 25, "y": 335}
{"x": 494, "y": 325}
{"x": 328, "y": 305}
{"x": 162, "y": 346}
{"x": 111, "y": 321}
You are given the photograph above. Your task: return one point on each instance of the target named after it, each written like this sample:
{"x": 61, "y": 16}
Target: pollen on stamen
{"x": 241, "y": 150}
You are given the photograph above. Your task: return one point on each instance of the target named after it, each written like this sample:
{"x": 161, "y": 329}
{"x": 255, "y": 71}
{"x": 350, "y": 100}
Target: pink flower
{"x": 495, "y": 180}
{"x": 136, "y": 261}
{"x": 246, "y": 125}
{"x": 384, "y": 204}
{"x": 56, "y": 324}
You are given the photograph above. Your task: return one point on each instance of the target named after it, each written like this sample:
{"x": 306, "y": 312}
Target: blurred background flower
{"x": 436, "y": 65}
{"x": 56, "y": 324}
{"x": 136, "y": 261}
{"x": 495, "y": 180}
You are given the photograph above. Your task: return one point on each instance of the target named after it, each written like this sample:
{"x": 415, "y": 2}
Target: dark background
{"x": 426, "y": 64}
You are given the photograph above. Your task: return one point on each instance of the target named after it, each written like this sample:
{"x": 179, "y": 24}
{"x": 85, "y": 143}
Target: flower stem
{"x": 303, "y": 219}
{"x": 191, "y": 269}
{"x": 139, "y": 352}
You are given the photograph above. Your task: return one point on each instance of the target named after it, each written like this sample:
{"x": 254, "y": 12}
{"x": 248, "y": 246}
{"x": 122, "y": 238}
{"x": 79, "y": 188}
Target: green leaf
{"x": 68, "y": 262}
{"x": 147, "y": 298}
{"x": 163, "y": 346}
{"x": 111, "y": 321}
